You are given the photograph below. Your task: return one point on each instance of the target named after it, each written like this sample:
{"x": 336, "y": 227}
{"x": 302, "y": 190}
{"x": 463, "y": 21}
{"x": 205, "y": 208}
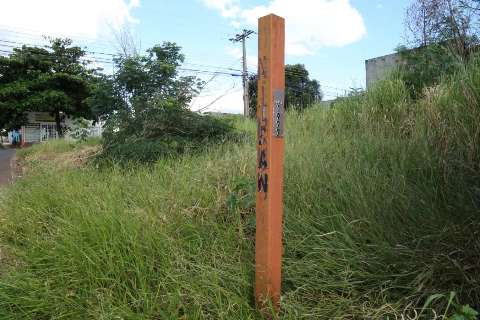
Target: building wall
{"x": 378, "y": 68}
{"x": 41, "y": 127}
{"x": 34, "y": 132}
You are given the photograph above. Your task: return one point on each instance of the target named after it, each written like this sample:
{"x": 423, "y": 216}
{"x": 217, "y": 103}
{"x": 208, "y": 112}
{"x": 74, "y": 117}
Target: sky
{"x": 332, "y": 38}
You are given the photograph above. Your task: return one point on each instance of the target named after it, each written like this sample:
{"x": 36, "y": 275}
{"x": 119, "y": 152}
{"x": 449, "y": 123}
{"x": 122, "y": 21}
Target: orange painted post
{"x": 270, "y": 155}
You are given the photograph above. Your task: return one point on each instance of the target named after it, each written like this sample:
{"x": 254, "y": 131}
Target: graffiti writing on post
{"x": 262, "y": 131}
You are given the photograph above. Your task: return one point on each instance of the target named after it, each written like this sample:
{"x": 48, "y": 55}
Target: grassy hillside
{"x": 381, "y": 219}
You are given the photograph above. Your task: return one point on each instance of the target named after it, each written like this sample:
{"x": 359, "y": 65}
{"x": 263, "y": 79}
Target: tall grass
{"x": 381, "y": 213}
{"x": 54, "y": 147}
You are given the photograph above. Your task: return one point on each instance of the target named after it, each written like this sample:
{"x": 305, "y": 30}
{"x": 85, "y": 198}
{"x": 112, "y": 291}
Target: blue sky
{"x": 331, "y": 37}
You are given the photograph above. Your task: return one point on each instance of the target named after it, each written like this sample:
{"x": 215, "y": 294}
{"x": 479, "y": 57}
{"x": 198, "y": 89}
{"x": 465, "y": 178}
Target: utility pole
{"x": 242, "y": 37}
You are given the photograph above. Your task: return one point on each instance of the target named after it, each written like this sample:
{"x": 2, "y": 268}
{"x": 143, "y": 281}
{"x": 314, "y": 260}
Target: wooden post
{"x": 270, "y": 155}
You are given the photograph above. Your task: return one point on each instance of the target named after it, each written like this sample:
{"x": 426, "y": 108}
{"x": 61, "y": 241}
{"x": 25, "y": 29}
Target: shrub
{"x": 426, "y": 66}
{"x": 162, "y": 130}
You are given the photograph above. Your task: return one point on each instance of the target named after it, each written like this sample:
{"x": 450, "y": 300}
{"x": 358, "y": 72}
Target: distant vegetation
{"x": 54, "y": 79}
{"x": 300, "y": 91}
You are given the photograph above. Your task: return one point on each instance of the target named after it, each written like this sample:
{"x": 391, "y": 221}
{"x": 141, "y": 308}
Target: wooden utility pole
{"x": 242, "y": 37}
{"x": 270, "y": 156}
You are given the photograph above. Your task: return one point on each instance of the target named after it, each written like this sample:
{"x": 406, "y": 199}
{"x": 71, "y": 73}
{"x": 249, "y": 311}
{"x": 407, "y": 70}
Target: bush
{"x": 162, "y": 130}
{"x": 427, "y": 66}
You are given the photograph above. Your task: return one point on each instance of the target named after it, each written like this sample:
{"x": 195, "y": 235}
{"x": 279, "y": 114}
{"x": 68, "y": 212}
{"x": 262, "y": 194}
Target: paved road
{"x": 6, "y": 156}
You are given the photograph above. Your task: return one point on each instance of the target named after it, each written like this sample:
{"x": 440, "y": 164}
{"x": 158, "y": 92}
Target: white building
{"x": 42, "y": 127}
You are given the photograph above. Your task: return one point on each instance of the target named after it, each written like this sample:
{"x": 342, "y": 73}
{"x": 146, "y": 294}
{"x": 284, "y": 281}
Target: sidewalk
{"x": 6, "y": 170}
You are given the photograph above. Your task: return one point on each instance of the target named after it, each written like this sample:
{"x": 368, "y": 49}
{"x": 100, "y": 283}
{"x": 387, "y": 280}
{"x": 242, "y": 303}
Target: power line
{"x": 210, "y": 72}
{"x": 42, "y": 43}
{"x": 228, "y": 91}
{"x": 115, "y": 55}
{"x": 16, "y": 47}
{"x": 211, "y": 66}
{"x": 96, "y": 52}
{"x": 298, "y": 75}
{"x": 100, "y": 60}
{"x": 37, "y": 35}
{"x": 206, "y": 83}
{"x": 47, "y": 46}
{"x": 49, "y": 57}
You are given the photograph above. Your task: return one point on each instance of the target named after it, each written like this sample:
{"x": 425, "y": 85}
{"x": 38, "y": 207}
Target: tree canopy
{"x": 141, "y": 80}
{"x": 53, "y": 79}
{"x": 444, "y": 35}
{"x": 300, "y": 91}
{"x": 452, "y": 23}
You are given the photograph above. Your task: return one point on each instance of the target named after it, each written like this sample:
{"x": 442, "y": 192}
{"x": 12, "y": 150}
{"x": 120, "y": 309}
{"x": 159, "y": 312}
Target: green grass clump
{"x": 381, "y": 219}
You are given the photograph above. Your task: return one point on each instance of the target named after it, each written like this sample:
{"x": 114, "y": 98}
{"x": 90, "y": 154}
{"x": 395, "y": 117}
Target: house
{"x": 42, "y": 127}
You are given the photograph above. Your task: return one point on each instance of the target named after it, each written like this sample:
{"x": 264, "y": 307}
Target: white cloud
{"x": 310, "y": 24}
{"x": 227, "y": 8}
{"x": 88, "y": 18}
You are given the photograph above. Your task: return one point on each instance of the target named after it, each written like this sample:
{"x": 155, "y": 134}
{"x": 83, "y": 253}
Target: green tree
{"x": 145, "y": 105}
{"x": 300, "y": 91}
{"x": 140, "y": 80}
{"x": 105, "y": 98}
{"x": 18, "y": 73}
{"x": 52, "y": 80}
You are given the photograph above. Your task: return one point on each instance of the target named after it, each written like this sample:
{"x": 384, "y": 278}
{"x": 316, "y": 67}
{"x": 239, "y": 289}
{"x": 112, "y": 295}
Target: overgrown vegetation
{"x": 164, "y": 130}
{"x": 443, "y": 36}
{"x": 381, "y": 212}
{"x": 426, "y": 66}
{"x": 145, "y": 104}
